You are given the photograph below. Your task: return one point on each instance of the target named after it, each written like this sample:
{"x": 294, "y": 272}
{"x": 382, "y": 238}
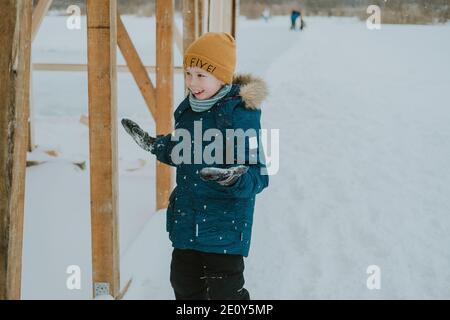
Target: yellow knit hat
{"x": 214, "y": 52}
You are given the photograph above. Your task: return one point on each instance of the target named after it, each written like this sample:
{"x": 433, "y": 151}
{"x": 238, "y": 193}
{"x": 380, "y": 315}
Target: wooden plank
{"x": 227, "y": 15}
{"x": 136, "y": 67}
{"x": 200, "y": 6}
{"x": 164, "y": 92}
{"x": 67, "y": 67}
{"x": 221, "y": 16}
{"x": 39, "y": 14}
{"x": 189, "y": 27}
{"x": 189, "y": 23}
{"x": 215, "y": 16}
{"x": 102, "y": 78}
{"x": 207, "y": 14}
{"x": 124, "y": 290}
{"x": 15, "y": 37}
{"x": 31, "y": 118}
{"x": 234, "y": 13}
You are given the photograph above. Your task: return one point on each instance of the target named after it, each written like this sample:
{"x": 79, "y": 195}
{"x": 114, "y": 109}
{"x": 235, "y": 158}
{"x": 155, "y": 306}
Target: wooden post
{"x": 189, "y": 22}
{"x": 234, "y": 15}
{"x": 15, "y": 38}
{"x": 222, "y": 16}
{"x": 31, "y": 117}
{"x": 164, "y": 92}
{"x": 200, "y": 12}
{"x": 102, "y": 78}
{"x": 207, "y": 15}
{"x": 190, "y": 27}
{"x": 215, "y": 16}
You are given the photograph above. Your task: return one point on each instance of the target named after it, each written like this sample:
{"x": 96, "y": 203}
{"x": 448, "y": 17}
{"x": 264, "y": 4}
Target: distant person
{"x": 266, "y": 14}
{"x": 294, "y": 16}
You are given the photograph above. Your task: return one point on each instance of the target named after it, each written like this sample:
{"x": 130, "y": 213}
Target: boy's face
{"x": 201, "y": 83}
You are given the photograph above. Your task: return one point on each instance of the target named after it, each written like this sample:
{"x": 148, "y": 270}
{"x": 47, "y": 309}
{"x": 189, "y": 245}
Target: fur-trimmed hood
{"x": 253, "y": 90}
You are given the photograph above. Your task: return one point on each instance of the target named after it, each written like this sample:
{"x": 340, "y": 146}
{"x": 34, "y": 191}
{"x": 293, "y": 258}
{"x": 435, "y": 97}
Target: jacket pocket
{"x": 216, "y": 230}
{"x": 170, "y": 210}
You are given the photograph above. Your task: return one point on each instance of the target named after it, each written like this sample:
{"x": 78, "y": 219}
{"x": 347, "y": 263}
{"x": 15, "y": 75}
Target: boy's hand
{"x": 141, "y": 137}
{"x": 225, "y": 177}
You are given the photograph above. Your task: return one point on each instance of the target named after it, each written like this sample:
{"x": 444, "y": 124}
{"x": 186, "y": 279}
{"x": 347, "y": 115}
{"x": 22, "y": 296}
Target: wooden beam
{"x": 215, "y": 16}
{"x": 190, "y": 27}
{"x": 164, "y": 92}
{"x": 189, "y": 23}
{"x": 67, "y": 67}
{"x": 124, "y": 290}
{"x": 31, "y": 117}
{"x": 200, "y": 6}
{"x": 207, "y": 15}
{"x": 234, "y": 13}
{"x": 136, "y": 67}
{"x": 15, "y": 37}
{"x": 221, "y": 16}
{"x": 39, "y": 14}
{"x": 102, "y": 81}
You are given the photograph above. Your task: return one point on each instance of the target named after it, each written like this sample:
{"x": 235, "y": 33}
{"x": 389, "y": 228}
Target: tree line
{"x": 393, "y": 11}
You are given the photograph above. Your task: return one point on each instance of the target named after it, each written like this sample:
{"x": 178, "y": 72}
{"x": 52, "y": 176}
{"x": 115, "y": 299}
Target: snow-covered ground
{"x": 363, "y": 180}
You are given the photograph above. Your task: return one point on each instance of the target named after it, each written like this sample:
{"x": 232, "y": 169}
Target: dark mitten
{"x": 142, "y": 138}
{"x": 225, "y": 177}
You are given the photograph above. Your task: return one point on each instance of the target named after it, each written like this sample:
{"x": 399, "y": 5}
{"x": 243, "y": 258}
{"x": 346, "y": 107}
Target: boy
{"x": 210, "y": 212}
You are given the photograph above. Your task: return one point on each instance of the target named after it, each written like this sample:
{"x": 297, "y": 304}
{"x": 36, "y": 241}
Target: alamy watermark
{"x": 241, "y": 147}
{"x": 374, "y": 280}
{"x": 74, "y": 21}
{"x": 73, "y": 281}
{"x": 374, "y": 21}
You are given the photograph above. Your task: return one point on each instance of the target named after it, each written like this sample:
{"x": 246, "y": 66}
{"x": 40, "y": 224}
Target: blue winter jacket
{"x": 207, "y": 216}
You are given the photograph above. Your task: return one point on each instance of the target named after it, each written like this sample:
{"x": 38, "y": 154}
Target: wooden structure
{"x": 15, "y": 37}
{"x": 19, "y": 25}
{"x": 102, "y": 82}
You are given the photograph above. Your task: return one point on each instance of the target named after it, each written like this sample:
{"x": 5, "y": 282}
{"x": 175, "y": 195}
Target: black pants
{"x": 201, "y": 276}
